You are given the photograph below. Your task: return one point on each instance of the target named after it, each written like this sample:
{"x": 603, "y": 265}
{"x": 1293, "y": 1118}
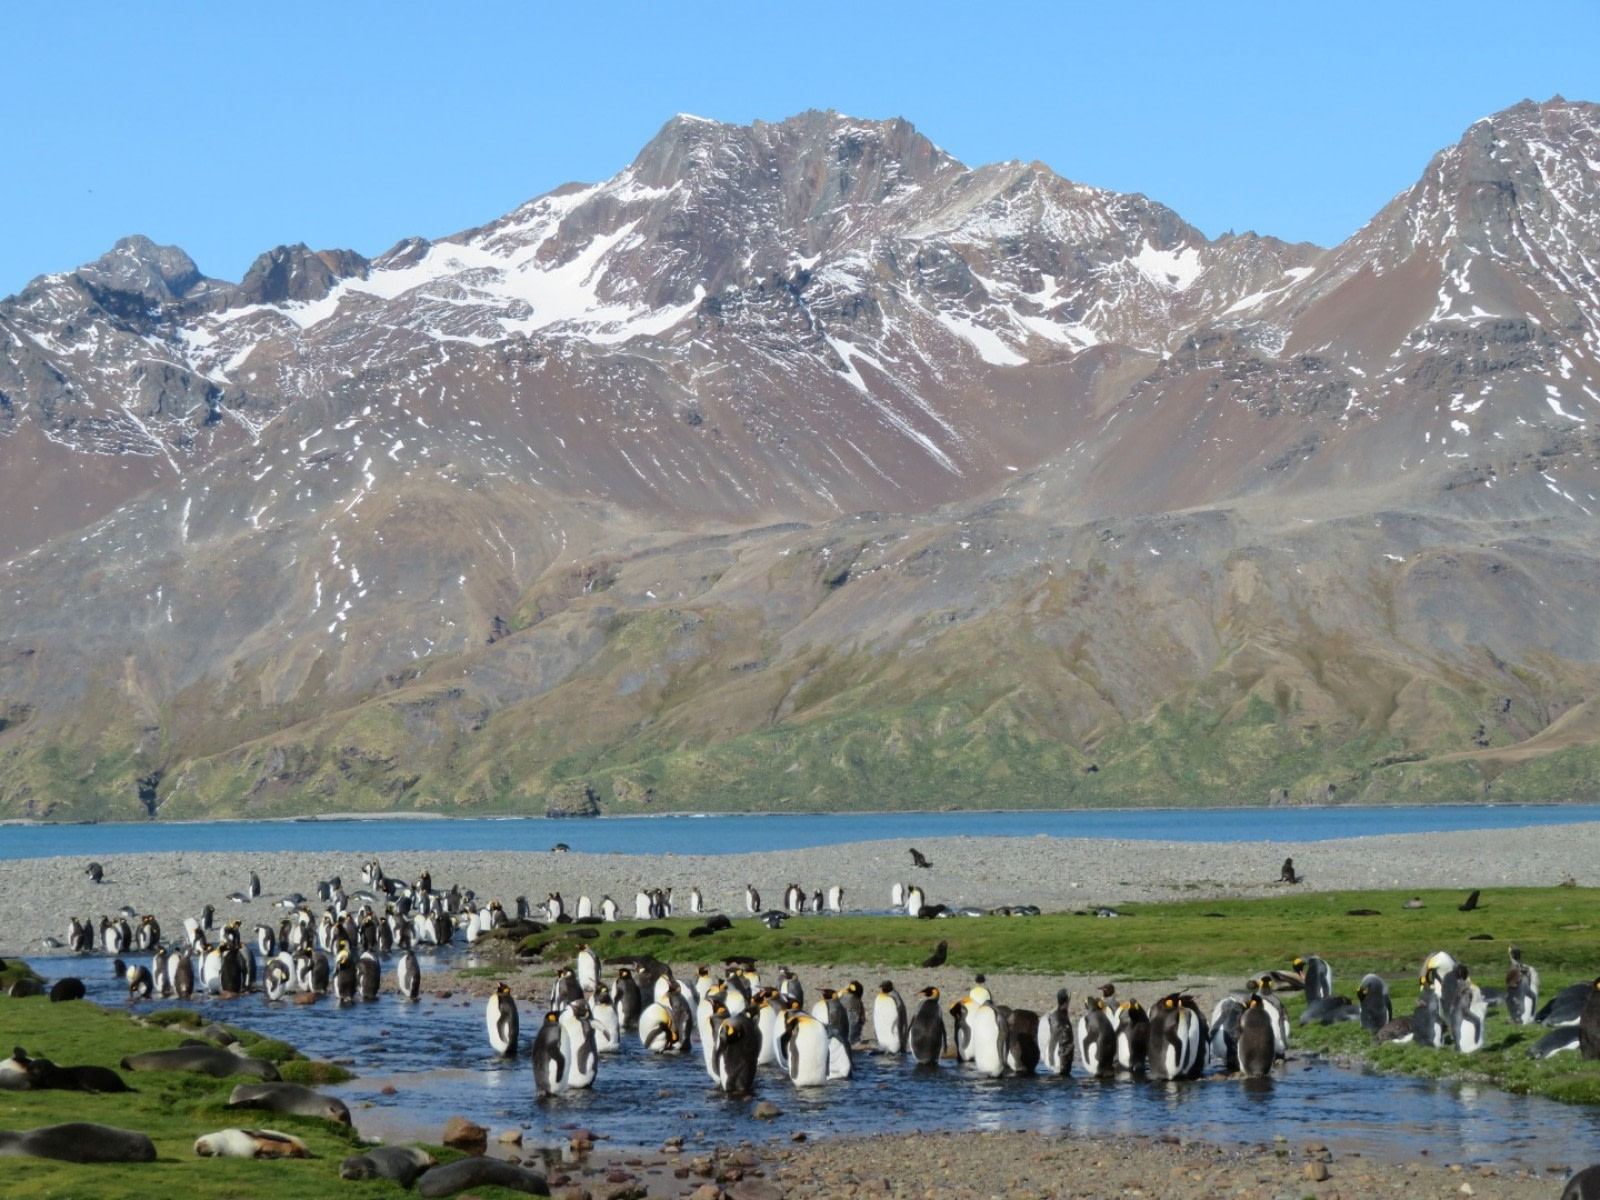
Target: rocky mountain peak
{"x": 298, "y": 273}
{"x": 137, "y": 266}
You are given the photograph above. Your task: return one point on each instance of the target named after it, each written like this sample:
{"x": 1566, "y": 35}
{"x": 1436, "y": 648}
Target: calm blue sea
{"x": 722, "y": 834}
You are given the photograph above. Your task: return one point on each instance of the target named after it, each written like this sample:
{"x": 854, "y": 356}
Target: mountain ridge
{"x": 715, "y": 484}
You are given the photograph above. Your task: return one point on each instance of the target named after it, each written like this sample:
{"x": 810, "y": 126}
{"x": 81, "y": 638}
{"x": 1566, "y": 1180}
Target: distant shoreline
{"x": 688, "y": 814}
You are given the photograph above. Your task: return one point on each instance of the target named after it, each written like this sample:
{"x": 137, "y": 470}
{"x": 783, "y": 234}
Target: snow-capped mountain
{"x": 246, "y": 517}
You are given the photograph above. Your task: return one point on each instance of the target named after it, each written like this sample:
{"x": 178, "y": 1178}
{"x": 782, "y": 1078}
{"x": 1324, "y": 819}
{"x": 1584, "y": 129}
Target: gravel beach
{"x": 1056, "y": 874}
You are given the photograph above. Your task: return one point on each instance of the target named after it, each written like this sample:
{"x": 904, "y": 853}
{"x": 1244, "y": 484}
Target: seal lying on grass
{"x": 205, "y": 1060}
{"x": 250, "y": 1143}
{"x": 289, "y": 1098}
{"x": 44, "y": 1075}
{"x": 78, "y": 1142}
{"x": 400, "y": 1163}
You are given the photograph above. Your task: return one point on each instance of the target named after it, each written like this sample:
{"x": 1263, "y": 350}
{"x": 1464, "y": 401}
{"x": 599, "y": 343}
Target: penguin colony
{"x": 744, "y": 1025}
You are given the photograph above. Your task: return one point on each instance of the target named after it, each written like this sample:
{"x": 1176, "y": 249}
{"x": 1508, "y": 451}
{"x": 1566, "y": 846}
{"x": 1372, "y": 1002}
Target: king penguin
{"x": 1377, "y": 1010}
{"x": 1055, "y": 1036}
{"x": 578, "y": 1047}
{"x": 1133, "y": 1036}
{"x": 889, "y": 1019}
{"x": 500, "y": 1016}
{"x": 549, "y": 1061}
{"x": 1467, "y": 1012}
{"x": 927, "y": 1030}
{"x": 1096, "y": 1038}
{"x": 1522, "y": 990}
{"x": 408, "y": 976}
{"x": 1257, "y": 1045}
{"x": 738, "y": 1053}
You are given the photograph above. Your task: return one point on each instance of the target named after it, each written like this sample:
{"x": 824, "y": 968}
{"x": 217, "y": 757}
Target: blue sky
{"x": 231, "y": 128}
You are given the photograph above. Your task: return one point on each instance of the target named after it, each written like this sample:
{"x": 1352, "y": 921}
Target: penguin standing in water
{"x": 987, "y": 1037}
{"x": 180, "y": 970}
{"x": 625, "y": 995}
{"x": 927, "y": 1029}
{"x": 1177, "y": 1038}
{"x": 1022, "y": 1040}
{"x": 1275, "y": 1010}
{"x": 1055, "y": 1036}
{"x": 656, "y": 1031}
{"x": 1467, "y": 1012}
{"x": 1257, "y": 1042}
{"x": 578, "y": 1047}
{"x": 738, "y": 1053}
{"x": 855, "y": 1013}
{"x": 344, "y": 980}
{"x": 1522, "y": 990}
{"x": 369, "y": 975}
{"x": 1223, "y": 1041}
{"x": 962, "y": 1032}
{"x": 805, "y": 1042}
{"x": 1133, "y": 1036}
{"x": 830, "y": 1011}
{"x": 889, "y": 1019}
{"x": 408, "y": 976}
{"x": 1097, "y": 1038}
{"x": 549, "y": 1060}
{"x": 607, "y": 1024}
{"x": 1377, "y": 1010}
{"x": 500, "y": 1016}
{"x": 277, "y": 979}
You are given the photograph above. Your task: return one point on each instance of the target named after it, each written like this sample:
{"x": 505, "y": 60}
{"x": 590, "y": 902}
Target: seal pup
{"x": 402, "y": 1164}
{"x": 250, "y": 1143}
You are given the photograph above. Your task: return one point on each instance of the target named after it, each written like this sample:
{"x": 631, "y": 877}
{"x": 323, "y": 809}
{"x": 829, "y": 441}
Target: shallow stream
{"x": 434, "y": 1060}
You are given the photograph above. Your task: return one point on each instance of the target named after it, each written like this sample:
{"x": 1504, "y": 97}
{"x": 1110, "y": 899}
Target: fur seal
{"x": 250, "y": 1143}
{"x": 44, "y": 1075}
{"x": 480, "y": 1172}
{"x": 400, "y": 1163}
{"x": 204, "y": 1060}
{"x": 70, "y": 988}
{"x": 290, "y": 1098}
{"x": 78, "y": 1142}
